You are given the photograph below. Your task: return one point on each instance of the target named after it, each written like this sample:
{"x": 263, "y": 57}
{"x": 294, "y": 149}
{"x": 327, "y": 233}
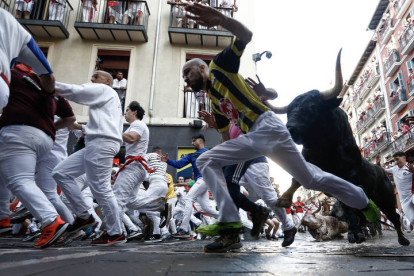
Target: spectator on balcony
{"x": 400, "y": 133}
{"x": 57, "y": 10}
{"x": 202, "y": 2}
{"x": 115, "y": 12}
{"x": 229, "y": 6}
{"x": 134, "y": 14}
{"x": 369, "y": 105}
{"x": 405, "y": 128}
{"x": 120, "y": 85}
{"x": 178, "y": 12}
{"x": 25, "y": 7}
{"x": 88, "y": 10}
{"x": 190, "y": 22}
{"x": 383, "y": 128}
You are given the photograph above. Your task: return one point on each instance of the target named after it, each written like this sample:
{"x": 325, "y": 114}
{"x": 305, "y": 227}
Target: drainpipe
{"x": 154, "y": 64}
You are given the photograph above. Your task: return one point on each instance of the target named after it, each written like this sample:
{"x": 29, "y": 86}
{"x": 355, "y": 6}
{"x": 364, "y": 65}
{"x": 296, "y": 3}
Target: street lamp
{"x": 257, "y": 57}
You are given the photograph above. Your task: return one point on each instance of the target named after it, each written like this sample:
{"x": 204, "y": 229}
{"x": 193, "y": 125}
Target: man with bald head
{"x": 103, "y": 141}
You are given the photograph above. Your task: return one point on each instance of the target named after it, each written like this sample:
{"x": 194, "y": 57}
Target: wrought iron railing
{"x": 375, "y": 145}
{"x": 410, "y": 84}
{"x": 194, "y": 102}
{"x": 385, "y": 27}
{"x": 392, "y": 58}
{"x": 406, "y": 36}
{"x": 178, "y": 18}
{"x": 398, "y": 97}
{"x": 126, "y": 12}
{"x": 398, "y": 5}
{"x": 45, "y": 10}
{"x": 404, "y": 142}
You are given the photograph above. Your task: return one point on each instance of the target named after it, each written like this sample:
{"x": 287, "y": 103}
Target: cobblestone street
{"x": 374, "y": 257}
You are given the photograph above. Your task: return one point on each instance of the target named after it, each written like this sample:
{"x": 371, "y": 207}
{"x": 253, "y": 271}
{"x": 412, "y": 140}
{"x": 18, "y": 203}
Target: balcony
{"x": 407, "y": 40}
{"x": 194, "y": 102}
{"x": 183, "y": 31}
{"x": 410, "y": 85}
{"x": 114, "y": 21}
{"x": 378, "y": 107}
{"x": 46, "y": 19}
{"x": 385, "y": 30}
{"x": 401, "y": 7}
{"x": 374, "y": 76}
{"x": 356, "y": 100}
{"x": 346, "y": 104}
{"x": 392, "y": 63}
{"x": 369, "y": 118}
{"x": 404, "y": 142}
{"x": 360, "y": 128}
{"x": 399, "y": 101}
{"x": 376, "y": 145}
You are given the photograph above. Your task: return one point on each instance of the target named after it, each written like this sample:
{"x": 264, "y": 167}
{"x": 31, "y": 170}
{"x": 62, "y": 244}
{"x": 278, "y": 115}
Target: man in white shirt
{"x": 57, "y": 10}
{"x": 103, "y": 141}
{"x": 16, "y": 44}
{"x": 403, "y": 179}
{"x": 120, "y": 85}
{"x": 133, "y": 172}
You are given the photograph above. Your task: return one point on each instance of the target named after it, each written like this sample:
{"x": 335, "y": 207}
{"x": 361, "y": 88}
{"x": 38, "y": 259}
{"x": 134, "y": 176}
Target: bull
{"x": 316, "y": 122}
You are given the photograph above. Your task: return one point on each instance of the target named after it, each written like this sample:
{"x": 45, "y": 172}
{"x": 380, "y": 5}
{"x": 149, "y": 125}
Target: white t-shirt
{"x": 105, "y": 114}
{"x": 16, "y": 44}
{"x": 155, "y": 163}
{"x": 61, "y": 141}
{"x": 403, "y": 180}
{"x": 139, "y": 148}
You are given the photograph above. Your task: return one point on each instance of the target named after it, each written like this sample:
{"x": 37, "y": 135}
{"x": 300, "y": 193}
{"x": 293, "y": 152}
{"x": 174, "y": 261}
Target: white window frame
{"x": 51, "y": 46}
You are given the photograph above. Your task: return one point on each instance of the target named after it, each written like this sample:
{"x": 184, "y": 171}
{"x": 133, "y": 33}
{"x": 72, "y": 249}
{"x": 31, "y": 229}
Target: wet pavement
{"x": 375, "y": 257}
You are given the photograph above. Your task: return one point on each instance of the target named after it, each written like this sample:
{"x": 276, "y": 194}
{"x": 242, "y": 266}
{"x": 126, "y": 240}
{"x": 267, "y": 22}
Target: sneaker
{"x": 273, "y": 237}
{"x": 258, "y": 220}
{"x": 5, "y": 225}
{"x": 81, "y": 224}
{"x": 182, "y": 234}
{"x": 224, "y": 243}
{"x": 218, "y": 228}
{"x": 20, "y": 216}
{"x": 89, "y": 232}
{"x": 107, "y": 240}
{"x": 134, "y": 235}
{"x": 32, "y": 236}
{"x": 166, "y": 236}
{"x": 268, "y": 237}
{"x": 64, "y": 241}
{"x": 289, "y": 237}
{"x": 371, "y": 212}
{"x": 51, "y": 233}
{"x": 154, "y": 238}
{"x": 165, "y": 215}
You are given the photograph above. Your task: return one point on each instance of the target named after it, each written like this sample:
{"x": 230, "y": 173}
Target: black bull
{"x": 316, "y": 121}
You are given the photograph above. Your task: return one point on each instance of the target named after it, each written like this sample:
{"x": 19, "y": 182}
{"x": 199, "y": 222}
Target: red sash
{"x": 3, "y": 76}
{"x": 112, "y": 3}
{"x": 130, "y": 159}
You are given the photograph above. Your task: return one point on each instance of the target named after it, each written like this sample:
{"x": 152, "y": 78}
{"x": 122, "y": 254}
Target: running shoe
{"x": 89, "y": 232}
{"x": 134, "y": 235}
{"x": 20, "y": 216}
{"x": 289, "y": 237}
{"x": 165, "y": 215}
{"x": 5, "y": 225}
{"x": 218, "y": 228}
{"x": 273, "y": 237}
{"x": 52, "y": 233}
{"x": 182, "y": 234}
{"x": 81, "y": 224}
{"x": 166, "y": 236}
{"x": 268, "y": 237}
{"x": 258, "y": 220}
{"x": 107, "y": 240}
{"x": 64, "y": 241}
{"x": 371, "y": 212}
{"x": 224, "y": 243}
{"x": 32, "y": 236}
{"x": 154, "y": 238}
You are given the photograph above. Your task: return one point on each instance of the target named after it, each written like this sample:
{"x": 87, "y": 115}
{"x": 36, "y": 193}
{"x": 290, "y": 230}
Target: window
{"x": 410, "y": 64}
{"x": 195, "y": 101}
{"x": 45, "y": 50}
{"x": 115, "y": 62}
{"x": 397, "y": 83}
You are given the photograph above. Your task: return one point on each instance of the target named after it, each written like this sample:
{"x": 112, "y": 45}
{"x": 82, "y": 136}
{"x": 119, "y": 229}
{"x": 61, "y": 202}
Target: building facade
{"x": 149, "y": 42}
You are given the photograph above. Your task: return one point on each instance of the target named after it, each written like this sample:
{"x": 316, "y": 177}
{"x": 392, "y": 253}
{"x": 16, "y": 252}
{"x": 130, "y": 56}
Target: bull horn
{"x": 319, "y": 208}
{"x": 276, "y": 109}
{"x": 336, "y": 90}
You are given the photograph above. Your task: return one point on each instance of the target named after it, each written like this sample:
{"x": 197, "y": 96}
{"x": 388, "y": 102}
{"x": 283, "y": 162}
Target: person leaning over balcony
{"x": 134, "y": 12}
{"x": 88, "y": 10}
{"x": 57, "y": 10}
{"x": 24, "y": 6}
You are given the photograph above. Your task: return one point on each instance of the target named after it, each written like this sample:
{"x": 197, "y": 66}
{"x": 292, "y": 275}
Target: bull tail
{"x": 386, "y": 224}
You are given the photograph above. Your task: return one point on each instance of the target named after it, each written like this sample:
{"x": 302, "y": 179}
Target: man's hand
{"x": 378, "y": 160}
{"x": 75, "y": 126}
{"x": 258, "y": 88}
{"x": 410, "y": 168}
{"x": 164, "y": 158}
{"x": 205, "y": 15}
{"x": 208, "y": 118}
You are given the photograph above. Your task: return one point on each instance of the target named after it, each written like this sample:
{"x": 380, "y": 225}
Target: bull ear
{"x": 332, "y": 103}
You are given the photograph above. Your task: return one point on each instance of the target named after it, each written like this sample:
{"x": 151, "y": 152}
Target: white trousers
{"x": 269, "y": 137}
{"x": 4, "y": 93}
{"x": 128, "y": 223}
{"x": 300, "y": 216}
{"x": 47, "y": 184}
{"x": 96, "y": 161}
{"x": 56, "y": 11}
{"x": 199, "y": 191}
{"x": 172, "y": 226}
{"x": 408, "y": 208}
{"x": 21, "y": 148}
{"x": 5, "y": 197}
{"x": 245, "y": 220}
{"x": 258, "y": 176}
{"x": 158, "y": 187}
{"x": 88, "y": 14}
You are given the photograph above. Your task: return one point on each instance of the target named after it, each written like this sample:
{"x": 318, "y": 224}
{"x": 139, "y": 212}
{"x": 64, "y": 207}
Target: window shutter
{"x": 401, "y": 80}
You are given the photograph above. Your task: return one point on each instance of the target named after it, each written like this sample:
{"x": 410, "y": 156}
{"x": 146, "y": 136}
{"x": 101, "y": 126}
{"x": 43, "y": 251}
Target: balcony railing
{"x": 46, "y": 19}
{"x": 356, "y": 99}
{"x": 410, "y": 84}
{"x": 377, "y": 145}
{"x": 386, "y": 30}
{"x": 194, "y": 102}
{"x": 391, "y": 64}
{"x": 404, "y": 142}
{"x": 185, "y": 31}
{"x": 378, "y": 106}
{"x": 407, "y": 40}
{"x": 125, "y": 20}
{"x": 401, "y": 7}
{"x": 398, "y": 101}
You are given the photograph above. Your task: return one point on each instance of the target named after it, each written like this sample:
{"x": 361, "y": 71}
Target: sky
{"x": 304, "y": 38}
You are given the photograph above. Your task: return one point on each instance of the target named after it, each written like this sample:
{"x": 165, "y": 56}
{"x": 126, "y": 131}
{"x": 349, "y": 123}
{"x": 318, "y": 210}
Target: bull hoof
{"x": 351, "y": 237}
{"x": 284, "y": 202}
{"x": 403, "y": 241}
{"x": 360, "y": 238}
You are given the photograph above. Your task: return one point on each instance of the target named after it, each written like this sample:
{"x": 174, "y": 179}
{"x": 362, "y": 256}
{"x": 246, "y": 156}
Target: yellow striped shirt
{"x": 232, "y": 99}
